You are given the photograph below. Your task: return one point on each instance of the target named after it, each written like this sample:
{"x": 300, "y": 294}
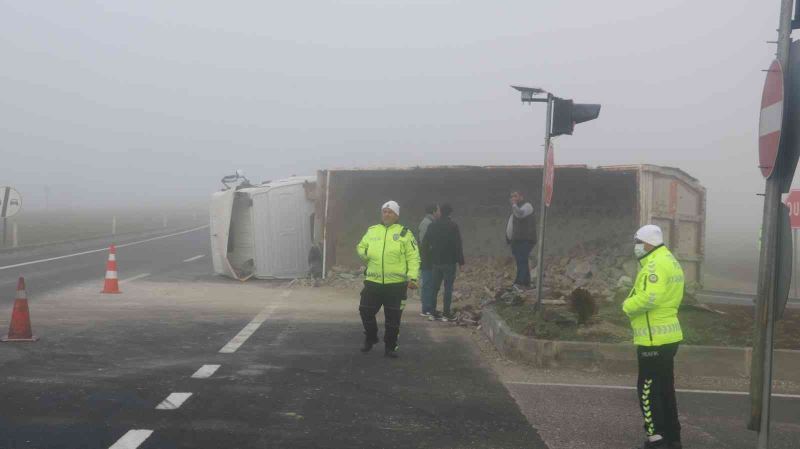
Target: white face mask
{"x": 639, "y": 250}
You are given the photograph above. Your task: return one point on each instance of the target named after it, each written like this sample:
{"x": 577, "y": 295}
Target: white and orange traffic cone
{"x": 112, "y": 279}
{"x": 20, "y": 328}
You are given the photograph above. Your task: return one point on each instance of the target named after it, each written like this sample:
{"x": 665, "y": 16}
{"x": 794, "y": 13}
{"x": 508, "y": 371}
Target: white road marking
{"x": 192, "y": 259}
{"x": 251, "y": 327}
{"x": 138, "y": 276}
{"x": 628, "y": 387}
{"x": 173, "y": 401}
{"x": 101, "y": 249}
{"x": 205, "y": 371}
{"x": 247, "y": 331}
{"x": 132, "y": 439}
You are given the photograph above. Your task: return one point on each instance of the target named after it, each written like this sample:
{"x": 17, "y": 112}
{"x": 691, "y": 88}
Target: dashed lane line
{"x": 251, "y": 327}
{"x": 629, "y": 387}
{"x": 205, "y": 371}
{"x": 132, "y": 439}
{"x": 101, "y": 249}
{"x": 138, "y": 276}
{"x": 173, "y": 401}
{"x": 247, "y": 331}
{"x": 192, "y": 259}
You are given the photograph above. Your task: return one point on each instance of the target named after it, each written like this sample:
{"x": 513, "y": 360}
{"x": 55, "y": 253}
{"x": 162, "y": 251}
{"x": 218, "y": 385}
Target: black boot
{"x": 368, "y": 344}
{"x": 391, "y": 353}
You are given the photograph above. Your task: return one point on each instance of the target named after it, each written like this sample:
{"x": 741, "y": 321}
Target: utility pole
{"x": 761, "y": 368}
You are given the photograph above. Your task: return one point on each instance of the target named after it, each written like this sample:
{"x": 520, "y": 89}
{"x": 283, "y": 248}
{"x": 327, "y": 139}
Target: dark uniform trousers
{"x": 392, "y": 298}
{"x": 656, "y": 388}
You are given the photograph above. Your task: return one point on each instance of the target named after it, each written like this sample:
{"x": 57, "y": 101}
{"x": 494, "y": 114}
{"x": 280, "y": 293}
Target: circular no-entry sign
{"x": 771, "y": 119}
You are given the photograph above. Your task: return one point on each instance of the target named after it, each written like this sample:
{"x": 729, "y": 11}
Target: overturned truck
{"x": 597, "y": 208}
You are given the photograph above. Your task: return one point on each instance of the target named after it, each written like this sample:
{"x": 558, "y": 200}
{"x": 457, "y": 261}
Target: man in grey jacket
{"x": 521, "y": 234}
{"x": 430, "y": 211}
{"x": 426, "y": 269}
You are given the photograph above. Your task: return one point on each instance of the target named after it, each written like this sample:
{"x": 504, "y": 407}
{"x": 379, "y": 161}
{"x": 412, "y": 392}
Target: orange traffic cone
{"x": 20, "y": 328}
{"x": 112, "y": 281}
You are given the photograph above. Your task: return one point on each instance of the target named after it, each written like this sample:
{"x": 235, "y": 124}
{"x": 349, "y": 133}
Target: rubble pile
{"x": 600, "y": 267}
{"x": 604, "y": 269}
{"x": 338, "y": 277}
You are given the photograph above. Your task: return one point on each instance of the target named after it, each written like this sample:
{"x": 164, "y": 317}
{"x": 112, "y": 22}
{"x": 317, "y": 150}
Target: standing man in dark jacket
{"x": 521, "y": 234}
{"x": 442, "y": 245}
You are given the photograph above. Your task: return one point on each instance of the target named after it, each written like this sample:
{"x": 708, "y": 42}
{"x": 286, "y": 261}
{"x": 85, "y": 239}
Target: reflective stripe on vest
{"x": 660, "y": 329}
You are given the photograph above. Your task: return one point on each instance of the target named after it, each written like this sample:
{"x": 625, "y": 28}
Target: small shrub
{"x": 582, "y": 304}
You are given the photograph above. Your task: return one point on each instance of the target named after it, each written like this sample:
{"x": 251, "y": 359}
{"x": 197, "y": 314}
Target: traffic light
{"x": 566, "y": 114}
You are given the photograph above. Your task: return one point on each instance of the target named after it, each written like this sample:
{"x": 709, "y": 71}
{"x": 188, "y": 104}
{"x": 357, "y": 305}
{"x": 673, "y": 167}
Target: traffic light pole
{"x": 761, "y": 367}
{"x": 543, "y": 210}
{"x": 567, "y": 115}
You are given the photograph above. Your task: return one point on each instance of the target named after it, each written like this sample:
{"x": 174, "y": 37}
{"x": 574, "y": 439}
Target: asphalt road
{"x": 115, "y": 371}
{"x": 737, "y": 299}
{"x": 154, "y": 255}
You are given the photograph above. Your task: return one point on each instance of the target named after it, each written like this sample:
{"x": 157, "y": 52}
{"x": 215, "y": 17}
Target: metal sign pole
{"x": 543, "y": 209}
{"x": 325, "y": 225}
{"x": 794, "y": 260}
{"x": 4, "y": 212}
{"x": 761, "y": 367}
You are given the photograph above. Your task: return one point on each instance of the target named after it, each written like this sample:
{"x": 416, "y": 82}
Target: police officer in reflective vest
{"x": 392, "y": 259}
{"x": 652, "y": 307}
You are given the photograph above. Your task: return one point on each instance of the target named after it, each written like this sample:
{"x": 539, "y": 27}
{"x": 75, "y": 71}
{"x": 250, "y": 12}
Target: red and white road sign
{"x": 793, "y": 202}
{"x": 549, "y": 176}
{"x": 771, "y": 120}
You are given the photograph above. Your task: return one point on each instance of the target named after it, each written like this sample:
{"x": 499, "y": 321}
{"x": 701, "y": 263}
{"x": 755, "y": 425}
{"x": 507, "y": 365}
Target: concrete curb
{"x": 711, "y": 361}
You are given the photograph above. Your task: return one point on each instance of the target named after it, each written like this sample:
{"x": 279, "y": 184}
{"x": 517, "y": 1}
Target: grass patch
{"x": 610, "y": 325}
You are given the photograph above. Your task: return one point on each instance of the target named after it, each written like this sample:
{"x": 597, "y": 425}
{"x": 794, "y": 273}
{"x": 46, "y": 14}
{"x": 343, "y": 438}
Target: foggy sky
{"x": 153, "y": 101}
